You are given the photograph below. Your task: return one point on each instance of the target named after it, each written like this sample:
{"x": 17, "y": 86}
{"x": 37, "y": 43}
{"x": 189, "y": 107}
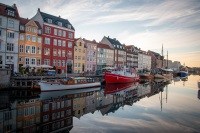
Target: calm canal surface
{"x": 139, "y": 107}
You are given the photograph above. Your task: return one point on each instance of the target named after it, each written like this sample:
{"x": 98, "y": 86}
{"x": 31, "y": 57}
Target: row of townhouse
{"x": 47, "y": 39}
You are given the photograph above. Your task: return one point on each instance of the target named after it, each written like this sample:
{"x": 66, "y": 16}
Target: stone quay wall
{"x": 5, "y": 78}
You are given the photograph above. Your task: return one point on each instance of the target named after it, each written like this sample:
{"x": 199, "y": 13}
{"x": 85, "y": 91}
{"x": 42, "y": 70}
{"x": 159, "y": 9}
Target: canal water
{"x": 129, "y": 108}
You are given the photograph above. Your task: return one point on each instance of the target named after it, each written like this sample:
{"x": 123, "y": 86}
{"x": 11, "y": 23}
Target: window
{"x": 39, "y": 31}
{"x": 68, "y": 112}
{"x": 10, "y": 47}
{"x": 58, "y": 62}
{"x": 63, "y": 53}
{"x": 46, "y": 107}
{"x": 34, "y": 30}
{"x": 75, "y": 49}
{"x": 11, "y": 24}
{"x": 54, "y": 52}
{"x": 60, "y": 24}
{"x": 21, "y": 37}
{"x": 64, "y": 33}
{"x": 39, "y": 40}
{"x": 26, "y": 111}
{"x": 69, "y": 26}
{"x": 45, "y": 118}
{"x": 10, "y": 13}
{"x": 69, "y": 54}
{"x": 21, "y": 59}
{"x": 46, "y": 51}
{"x": 63, "y": 64}
{"x": 39, "y": 50}
{"x": 27, "y": 60}
{"x": 79, "y": 64}
{"x": 28, "y": 28}
{"x": 37, "y": 109}
{"x": 63, "y": 43}
{"x": 19, "y": 124}
{"x": 59, "y": 42}
{"x": 55, "y": 42}
{"x": 19, "y": 113}
{"x": 33, "y": 39}
{"x": 21, "y": 48}
{"x": 54, "y": 64}
{"x": 49, "y": 20}
{"x": 75, "y": 64}
{"x": 46, "y": 61}
{"x": 70, "y": 35}
{"x": 28, "y": 49}
{"x": 47, "y": 40}
{"x": 33, "y": 61}
{"x": 47, "y": 30}
{"x": 55, "y": 31}
{"x": 68, "y": 103}
{"x": 70, "y": 45}
{"x": 28, "y": 38}
{"x": 33, "y": 50}
{"x": 31, "y": 110}
{"x": 59, "y": 32}
{"x": 38, "y": 62}
{"x": 68, "y": 121}
{"x": 37, "y": 119}
{"x": 11, "y": 35}
{"x": 59, "y": 52}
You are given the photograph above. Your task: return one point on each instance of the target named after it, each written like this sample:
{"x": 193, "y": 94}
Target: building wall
{"x": 101, "y": 57}
{"x": 9, "y": 57}
{"x": 109, "y": 57}
{"x": 23, "y": 42}
{"x": 91, "y": 58}
{"x": 79, "y": 56}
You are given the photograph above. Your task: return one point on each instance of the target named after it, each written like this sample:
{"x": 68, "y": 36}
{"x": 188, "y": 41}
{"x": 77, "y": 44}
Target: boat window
{"x": 75, "y": 81}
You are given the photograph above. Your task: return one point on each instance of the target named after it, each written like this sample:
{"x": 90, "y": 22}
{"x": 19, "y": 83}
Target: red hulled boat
{"x": 120, "y": 77}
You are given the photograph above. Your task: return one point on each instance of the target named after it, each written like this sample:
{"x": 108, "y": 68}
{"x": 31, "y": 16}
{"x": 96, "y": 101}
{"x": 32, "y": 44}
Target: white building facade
{"x": 9, "y": 35}
{"x": 144, "y": 61}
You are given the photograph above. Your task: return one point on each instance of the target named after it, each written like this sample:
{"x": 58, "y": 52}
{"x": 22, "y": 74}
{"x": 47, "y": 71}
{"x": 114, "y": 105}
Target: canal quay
{"x": 140, "y": 107}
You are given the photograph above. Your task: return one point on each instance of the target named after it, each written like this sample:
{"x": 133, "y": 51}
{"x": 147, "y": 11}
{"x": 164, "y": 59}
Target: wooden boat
{"x": 166, "y": 74}
{"x": 146, "y": 76}
{"x": 68, "y": 84}
{"x": 118, "y": 76}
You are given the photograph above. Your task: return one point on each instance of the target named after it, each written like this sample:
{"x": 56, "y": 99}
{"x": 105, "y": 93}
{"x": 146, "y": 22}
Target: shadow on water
{"x": 33, "y": 111}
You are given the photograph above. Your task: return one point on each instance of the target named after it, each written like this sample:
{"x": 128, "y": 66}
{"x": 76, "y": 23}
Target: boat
{"x": 68, "y": 84}
{"x": 166, "y": 74}
{"x": 64, "y": 93}
{"x": 120, "y": 76}
{"x": 146, "y": 76}
{"x": 114, "y": 88}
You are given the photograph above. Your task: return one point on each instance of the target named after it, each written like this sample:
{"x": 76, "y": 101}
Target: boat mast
{"x": 162, "y": 56}
{"x": 167, "y": 59}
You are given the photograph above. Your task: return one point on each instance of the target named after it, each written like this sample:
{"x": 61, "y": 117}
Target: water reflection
{"x": 30, "y": 111}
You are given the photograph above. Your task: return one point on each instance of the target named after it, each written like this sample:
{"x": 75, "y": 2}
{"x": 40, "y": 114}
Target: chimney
{"x": 39, "y": 9}
{"x": 108, "y": 36}
{"x": 59, "y": 16}
{"x": 14, "y": 5}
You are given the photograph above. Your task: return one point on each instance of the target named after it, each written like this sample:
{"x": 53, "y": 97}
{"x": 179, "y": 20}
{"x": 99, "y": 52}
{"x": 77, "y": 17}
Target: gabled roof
{"x": 115, "y": 42}
{"x": 156, "y": 54}
{"x": 3, "y": 10}
{"x": 55, "y": 20}
{"x": 101, "y": 45}
{"x": 24, "y": 21}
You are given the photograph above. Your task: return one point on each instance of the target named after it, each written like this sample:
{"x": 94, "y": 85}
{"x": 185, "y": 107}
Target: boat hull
{"x": 146, "y": 76}
{"x": 48, "y": 86}
{"x": 117, "y": 78}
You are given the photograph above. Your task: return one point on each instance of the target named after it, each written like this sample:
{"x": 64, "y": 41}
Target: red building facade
{"x": 58, "y": 37}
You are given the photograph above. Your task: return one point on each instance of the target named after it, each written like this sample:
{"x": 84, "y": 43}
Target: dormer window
{"x": 21, "y": 27}
{"x": 60, "y": 24}
{"x": 49, "y": 20}
{"x": 39, "y": 31}
{"x": 69, "y": 26}
{"x": 10, "y": 13}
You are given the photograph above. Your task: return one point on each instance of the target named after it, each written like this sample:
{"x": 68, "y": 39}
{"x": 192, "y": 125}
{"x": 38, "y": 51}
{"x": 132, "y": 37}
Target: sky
{"x": 146, "y": 24}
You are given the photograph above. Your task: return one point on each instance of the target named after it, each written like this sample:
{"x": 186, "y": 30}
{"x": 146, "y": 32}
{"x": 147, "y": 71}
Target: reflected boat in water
{"x": 113, "y": 88}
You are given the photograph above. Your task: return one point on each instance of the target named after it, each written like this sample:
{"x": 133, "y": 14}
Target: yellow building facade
{"x": 30, "y": 43}
{"x": 79, "y": 56}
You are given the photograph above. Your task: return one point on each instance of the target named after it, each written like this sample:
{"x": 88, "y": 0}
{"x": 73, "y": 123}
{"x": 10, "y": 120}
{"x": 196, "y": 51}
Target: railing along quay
{"x": 26, "y": 82}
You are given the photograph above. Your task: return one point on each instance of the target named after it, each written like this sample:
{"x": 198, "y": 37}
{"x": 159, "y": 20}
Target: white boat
{"x": 69, "y": 84}
{"x": 166, "y": 74}
{"x": 58, "y": 94}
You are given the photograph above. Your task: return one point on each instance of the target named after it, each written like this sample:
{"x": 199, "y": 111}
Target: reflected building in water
{"x": 54, "y": 111}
